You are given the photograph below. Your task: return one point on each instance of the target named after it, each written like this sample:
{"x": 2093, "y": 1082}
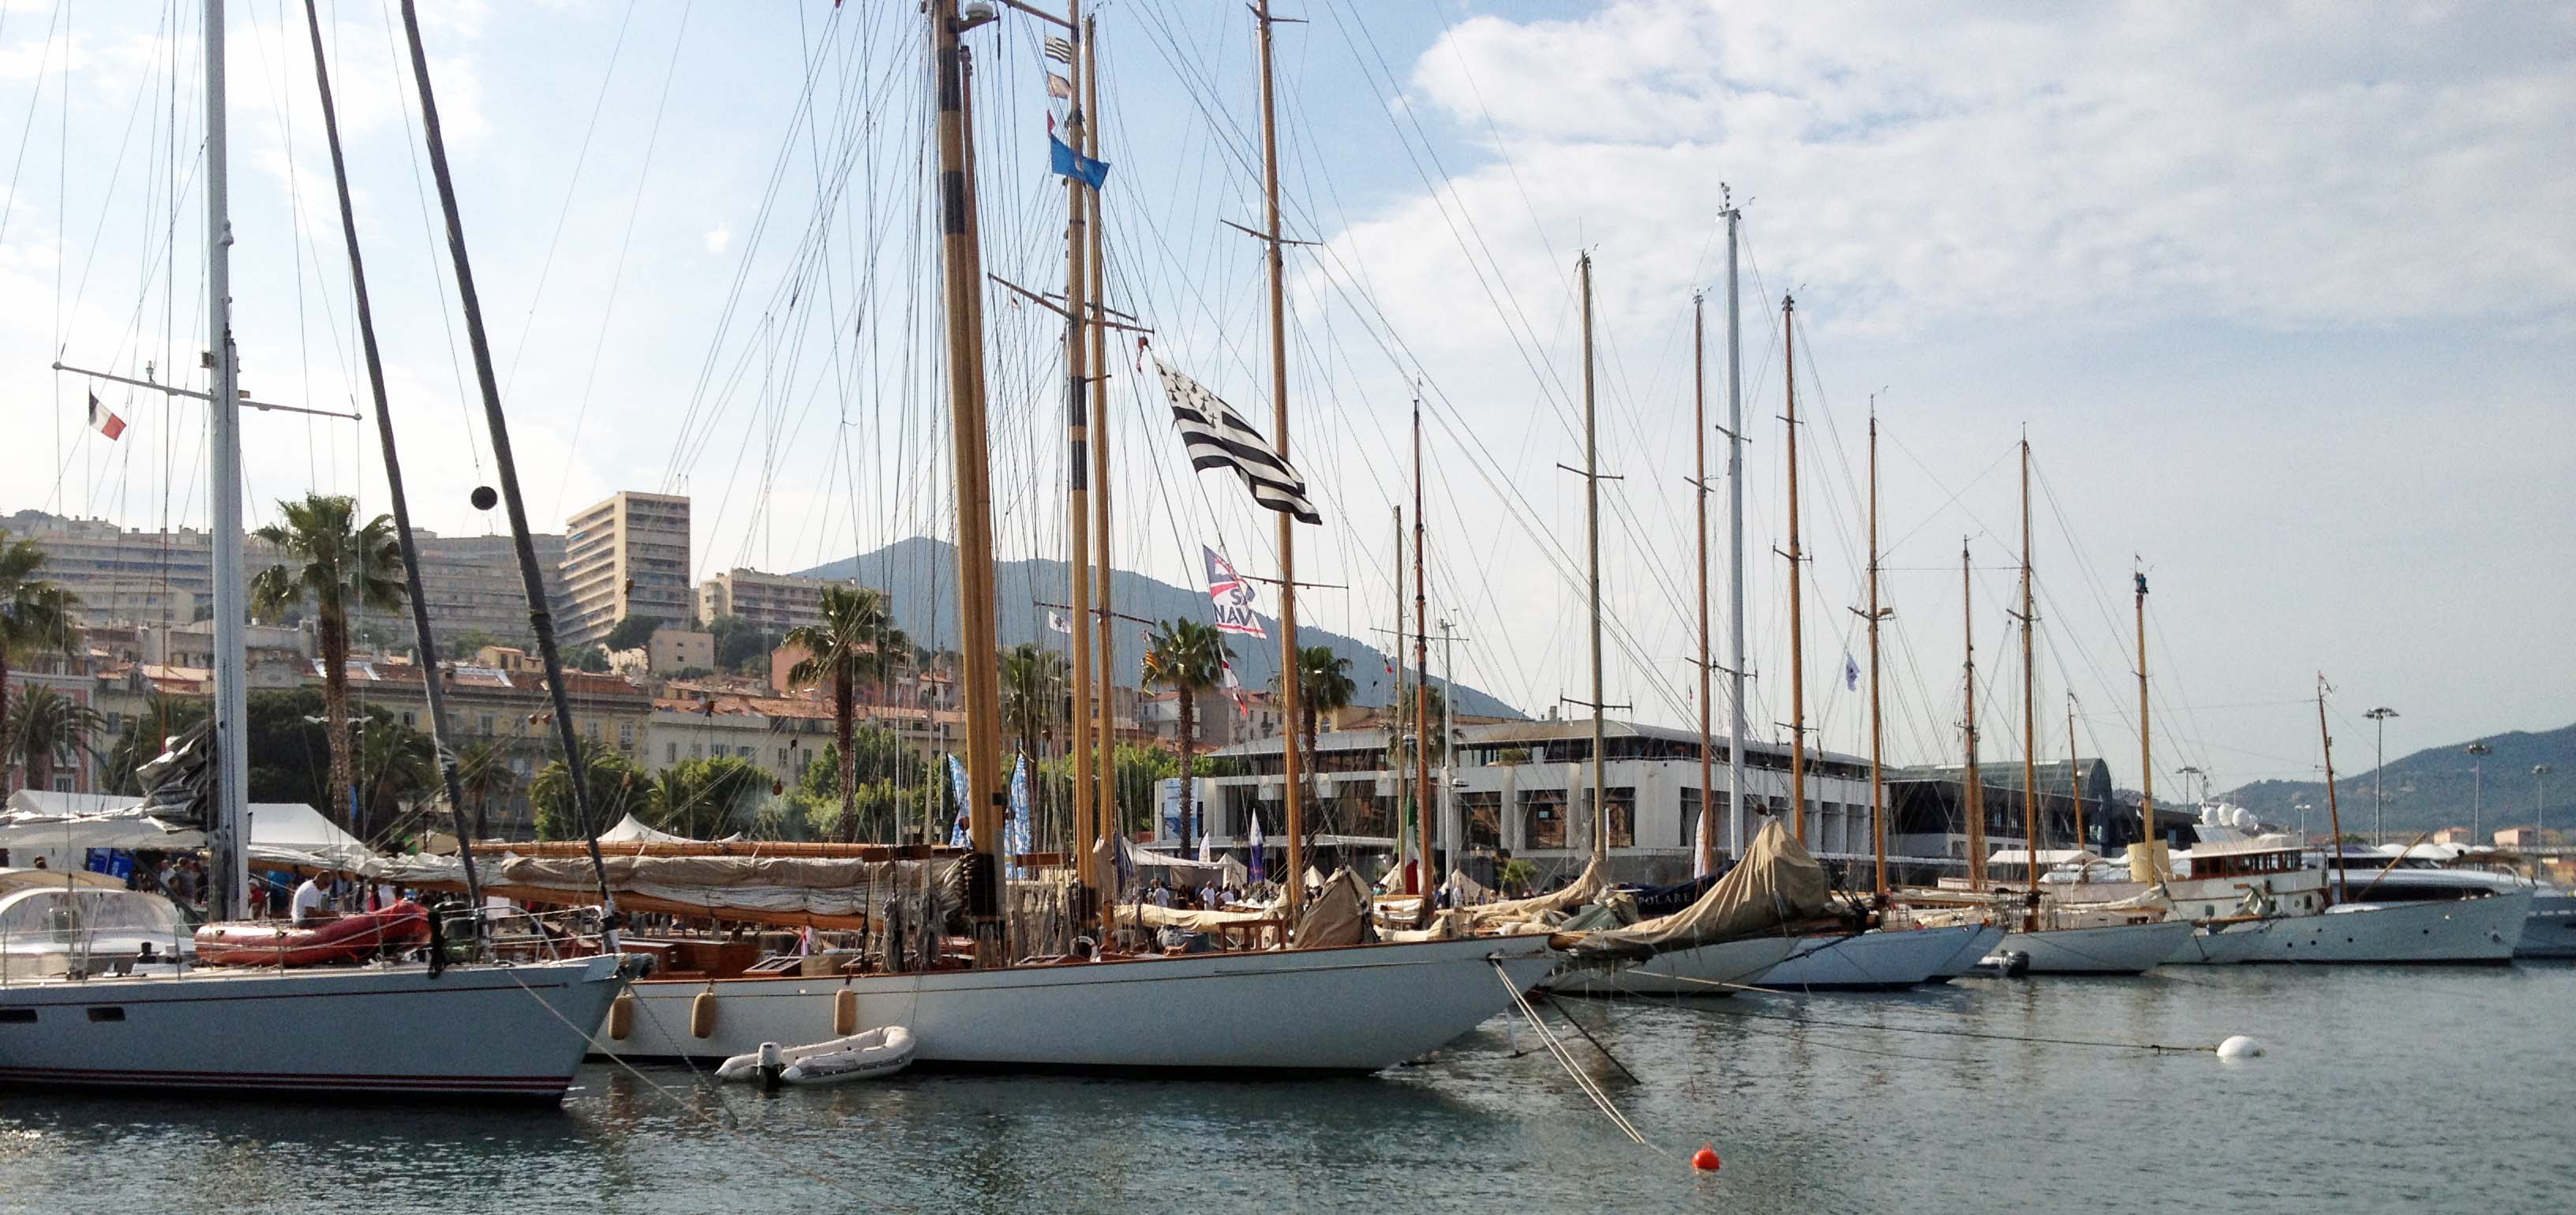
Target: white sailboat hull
{"x": 1356, "y": 1009}
{"x": 1878, "y": 960}
{"x": 1971, "y": 952}
{"x": 1709, "y": 970}
{"x": 478, "y": 1032}
{"x": 2482, "y": 930}
{"x": 2110, "y": 949}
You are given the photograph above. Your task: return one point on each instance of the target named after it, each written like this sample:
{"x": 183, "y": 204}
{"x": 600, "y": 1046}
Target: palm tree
{"x": 342, "y": 567}
{"x": 35, "y": 614}
{"x": 42, "y": 725}
{"x": 483, "y": 772}
{"x": 1189, "y": 658}
{"x": 855, "y": 643}
{"x": 394, "y": 763}
{"x": 1033, "y": 681}
{"x": 617, "y": 788}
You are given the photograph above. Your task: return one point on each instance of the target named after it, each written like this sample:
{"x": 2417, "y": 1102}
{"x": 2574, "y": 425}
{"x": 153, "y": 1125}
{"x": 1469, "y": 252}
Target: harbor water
{"x": 2380, "y": 1090}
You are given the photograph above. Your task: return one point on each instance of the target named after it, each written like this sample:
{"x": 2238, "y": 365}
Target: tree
{"x": 855, "y": 643}
{"x": 617, "y": 788}
{"x": 1033, "y": 686}
{"x": 143, "y": 738}
{"x": 395, "y": 764}
{"x": 467, "y": 644}
{"x": 701, "y": 798}
{"x": 344, "y": 568}
{"x": 1188, "y": 658}
{"x": 631, "y": 633}
{"x": 742, "y": 648}
{"x": 1323, "y": 686}
{"x": 35, "y": 614}
{"x": 483, "y": 772}
{"x": 43, "y": 725}
{"x": 589, "y": 658}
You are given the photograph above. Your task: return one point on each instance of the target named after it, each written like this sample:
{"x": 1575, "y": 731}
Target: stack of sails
{"x": 1777, "y": 888}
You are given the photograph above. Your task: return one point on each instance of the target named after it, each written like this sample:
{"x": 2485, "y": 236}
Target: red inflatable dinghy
{"x": 345, "y": 939}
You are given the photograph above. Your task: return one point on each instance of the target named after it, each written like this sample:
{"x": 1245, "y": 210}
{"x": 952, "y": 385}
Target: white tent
{"x": 631, "y": 830}
{"x": 46, "y": 803}
{"x": 281, "y": 833}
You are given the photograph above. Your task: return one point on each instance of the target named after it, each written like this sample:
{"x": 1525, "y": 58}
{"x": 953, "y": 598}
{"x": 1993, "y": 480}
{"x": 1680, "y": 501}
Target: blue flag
{"x": 1015, "y": 831}
{"x": 1069, "y": 163}
{"x": 1257, "y": 866}
{"x": 957, "y": 836}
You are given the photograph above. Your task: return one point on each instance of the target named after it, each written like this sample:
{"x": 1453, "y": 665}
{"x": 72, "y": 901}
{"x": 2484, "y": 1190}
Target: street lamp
{"x": 2478, "y": 752}
{"x": 2189, "y": 771}
{"x": 2539, "y": 802}
{"x": 2378, "y": 791}
{"x": 2303, "y": 808}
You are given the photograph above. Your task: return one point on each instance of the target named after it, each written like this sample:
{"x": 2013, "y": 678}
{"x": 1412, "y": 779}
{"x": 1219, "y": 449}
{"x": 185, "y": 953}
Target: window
{"x": 786, "y": 756}
{"x": 592, "y": 729}
{"x": 670, "y": 753}
{"x": 1623, "y": 815}
{"x": 1543, "y": 818}
{"x": 626, "y": 736}
{"x": 485, "y": 723}
{"x": 697, "y": 750}
{"x": 743, "y": 753}
{"x": 410, "y": 718}
{"x": 1484, "y": 813}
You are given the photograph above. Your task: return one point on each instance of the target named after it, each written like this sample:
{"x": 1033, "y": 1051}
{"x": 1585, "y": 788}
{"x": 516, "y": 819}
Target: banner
{"x": 1231, "y": 594}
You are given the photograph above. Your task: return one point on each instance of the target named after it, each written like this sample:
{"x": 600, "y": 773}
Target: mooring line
{"x": 2152, "y": 1047}
{"x": 1565, "y": 1059}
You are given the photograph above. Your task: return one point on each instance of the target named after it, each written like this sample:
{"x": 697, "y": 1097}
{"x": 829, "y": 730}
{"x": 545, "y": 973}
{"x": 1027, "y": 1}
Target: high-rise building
{"x": 627, "y": 556}
{"x": 773, "y": 602}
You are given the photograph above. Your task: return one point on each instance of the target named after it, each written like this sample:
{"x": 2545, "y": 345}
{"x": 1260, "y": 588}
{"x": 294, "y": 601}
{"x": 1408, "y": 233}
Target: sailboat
{"x": 1898, "y": 954}
{"x": 1352, "y": 1008}
{"x": 475, "y": 1030}
{"x": 2084, "y": 939}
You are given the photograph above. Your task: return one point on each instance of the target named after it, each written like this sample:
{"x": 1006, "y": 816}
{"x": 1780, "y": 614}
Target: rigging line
{"x": 438, "y": 273}
{"x": 572, "y": 185}
{"x": 27, "y": 129}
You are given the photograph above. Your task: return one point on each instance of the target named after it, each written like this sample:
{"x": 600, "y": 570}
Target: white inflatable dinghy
{"x": 878, "y": 1052}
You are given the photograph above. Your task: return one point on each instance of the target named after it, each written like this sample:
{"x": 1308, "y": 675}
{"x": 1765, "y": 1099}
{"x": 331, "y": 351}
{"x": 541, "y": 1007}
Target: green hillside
{"x": 2434, "y": 787}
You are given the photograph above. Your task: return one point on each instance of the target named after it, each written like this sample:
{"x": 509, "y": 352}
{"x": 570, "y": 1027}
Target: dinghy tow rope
{"x": 1565, "y": 1059}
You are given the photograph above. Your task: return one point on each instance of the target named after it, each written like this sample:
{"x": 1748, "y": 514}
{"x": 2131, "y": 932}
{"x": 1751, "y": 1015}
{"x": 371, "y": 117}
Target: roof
{"x": 1518, "y": 733}
{"x": 2260, "y": 843}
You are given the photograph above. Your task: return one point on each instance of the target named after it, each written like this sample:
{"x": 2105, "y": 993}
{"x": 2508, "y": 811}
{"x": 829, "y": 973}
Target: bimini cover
{"x": 1775, "y": 884}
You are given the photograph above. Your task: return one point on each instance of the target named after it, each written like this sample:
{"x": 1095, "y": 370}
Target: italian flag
{"x": 102, "y": 420}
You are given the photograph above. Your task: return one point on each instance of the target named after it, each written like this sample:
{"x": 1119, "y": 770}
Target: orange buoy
{"x": 845, "y": 1012}
{"x": 1705, "y": 1159}
{"x": 621, "y": 1016}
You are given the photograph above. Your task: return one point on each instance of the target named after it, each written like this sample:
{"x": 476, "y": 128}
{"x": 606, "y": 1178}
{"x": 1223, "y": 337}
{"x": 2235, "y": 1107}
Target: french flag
{"x": 102, "y": 420}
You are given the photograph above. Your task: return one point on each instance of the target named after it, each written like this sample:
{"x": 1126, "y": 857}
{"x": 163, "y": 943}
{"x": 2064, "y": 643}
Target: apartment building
{"x": 627, "y": 556}
{"x": 772, "y": 602}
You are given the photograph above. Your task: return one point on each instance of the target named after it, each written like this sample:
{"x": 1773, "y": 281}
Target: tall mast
{"x": 2144, "y": 867}
{"x": 1421, "y": 676}
{"x": 1077, "y": 387}
{"x": 1457, "y": 836}
{"x": 1877, "y": 732}
{"x": 1972, "y": 790}
{"x": 1735, "y": 724}
{"x": 1395, "y": 703}
{"x": 2334, "y": 806}
{"x": 2029, "y": 716}
{"x": 1797, "y": 647}
{"x": 433, "y": 687}
{"x": 1704, "y": 856}
{"x": 1105, "y": 803}
{"x": 227, "y": 897}
{"x": 1592, "y": 558}
{"x": 2075, "y": 790}
{"x": 1288, "y": 670}
{"x": 981, "y": 673}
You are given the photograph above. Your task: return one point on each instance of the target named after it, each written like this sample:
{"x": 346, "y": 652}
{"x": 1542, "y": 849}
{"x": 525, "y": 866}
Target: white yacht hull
{"x": 1878, "y": 960}
{"x": 1356, "y": 1009}
{"x": 2452, "y": 930}
{"x": 471, "y": 1032}
{"x": 1987, "y": 937}
{"x": 1709, "y": 970}
{"x": 2550, "y": 930}
{"x": 2112, "y": 949}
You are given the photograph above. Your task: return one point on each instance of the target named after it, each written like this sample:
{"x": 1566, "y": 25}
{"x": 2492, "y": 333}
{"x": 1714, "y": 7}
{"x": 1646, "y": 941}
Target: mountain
{"x": 920, "y": 574}
{"x": 2434, "y": 787}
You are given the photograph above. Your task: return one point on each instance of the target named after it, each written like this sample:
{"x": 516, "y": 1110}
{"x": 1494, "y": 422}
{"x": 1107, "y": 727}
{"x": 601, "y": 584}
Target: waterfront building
{"x": 626, "y": 556}
{"x": 772, "y": 603}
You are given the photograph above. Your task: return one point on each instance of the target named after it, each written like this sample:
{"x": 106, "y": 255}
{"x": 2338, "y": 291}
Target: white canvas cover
{"x": 1776, "y": 884}
{"x": 1338, "y": 916}
{"x": 1586, "y": 887}
{"x": 631, "y": 830}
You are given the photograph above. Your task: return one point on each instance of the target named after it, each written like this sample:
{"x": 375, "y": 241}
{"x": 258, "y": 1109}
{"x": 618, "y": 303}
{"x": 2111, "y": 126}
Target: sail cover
{"x": 1776, "y": 884}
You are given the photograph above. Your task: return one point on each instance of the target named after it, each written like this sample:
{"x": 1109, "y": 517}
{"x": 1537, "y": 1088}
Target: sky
{"x": 2282, "y": 297}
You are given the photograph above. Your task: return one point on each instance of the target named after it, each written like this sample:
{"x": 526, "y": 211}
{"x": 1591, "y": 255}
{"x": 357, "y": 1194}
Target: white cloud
{"x": 719, "y": 238}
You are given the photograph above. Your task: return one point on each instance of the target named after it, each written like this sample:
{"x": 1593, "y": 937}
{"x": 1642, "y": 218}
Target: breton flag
{"x": 1057, "y": 623}
{"x": 1217, "y": 438}
{"x": 1231, "y": 593}
{"x": 1851, "y": 673}
{"x": 104, "y": 420}
{"x": 1059, "y": 49}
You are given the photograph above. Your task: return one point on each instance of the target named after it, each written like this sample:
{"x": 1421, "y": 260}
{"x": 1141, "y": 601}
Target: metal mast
{"x": 1735, "y": 727}
{"x": 1797, "y": 647}
{"x": 1972, "y": 790}
{"x": 1877, "y": 732}
{"x": 1592, "y": 577}
{"x": 227, "y": 897}
{"x": 2143, "y": 864}
{"x": 2029, "y": 715}
{"x": 1704, "y": 843}
{"x": 1421, "y": 677}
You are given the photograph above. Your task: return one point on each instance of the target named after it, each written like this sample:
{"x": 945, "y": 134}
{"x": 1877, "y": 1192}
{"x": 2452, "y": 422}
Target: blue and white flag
{"x": 1015, "y": 831}
{"x": 958, "y": 836}
{"x": 1068, "y": 163}
{"x": 1851, "y": 673}
{"x": 1256, "y": 846}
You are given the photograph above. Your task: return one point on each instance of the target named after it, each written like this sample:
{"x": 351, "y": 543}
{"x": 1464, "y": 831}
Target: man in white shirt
{"x": 312, "y": 899}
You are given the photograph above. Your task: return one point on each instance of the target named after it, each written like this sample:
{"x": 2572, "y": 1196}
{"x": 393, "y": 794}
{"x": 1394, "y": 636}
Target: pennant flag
{"x": 1700, "y": 844}
{"x": 1255, "y": 841}
{"x": 1217, "y": 438}
{"x": 1851, "y": 673}
{"x": 1140, "y": 354}
{"x": 1234, "y": 690}
{"x": 1231, "y": 593}
{"x": 1015, "y": 830}
{"x": 958, "y": 835}
{"x": 102, "y": 420}
{"x": 1068, "y": 163}
{"x": 1059, "y": 87}
{"x": 1207, "y": 851}
{"x": 1059, "y": 49}
{"x": 1057, "y": 623}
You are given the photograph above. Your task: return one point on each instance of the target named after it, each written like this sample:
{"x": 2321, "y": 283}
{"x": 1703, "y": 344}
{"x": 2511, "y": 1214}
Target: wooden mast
{"x": 1592, "y": 558}
{"x": 2334, "y": 807}
{"x": 1105, "y": 803}
{"x": 1797, "y": 656}
{"x": 1077, "y": 387}
{"x": 2075, "y": 790}
{"x": 2143, "y": 864}
{"x": 1972, "y": 791}
{"x": 1395, "y": 700}
{"x": 1704, "y": 858}
{"x": 981, "y": 666}
{"x": 2029, "y": 718}
{"x": 1421, "y": 678}
{"x": 1291, "y": 694}
{"x": 1877, "y": 733}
